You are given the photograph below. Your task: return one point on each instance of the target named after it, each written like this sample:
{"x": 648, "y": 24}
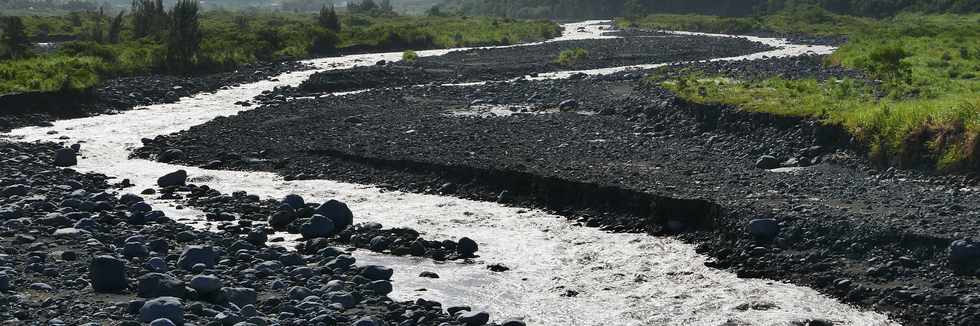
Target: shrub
{"x": 409, "y": 56}
{"x": 571, "y": 56}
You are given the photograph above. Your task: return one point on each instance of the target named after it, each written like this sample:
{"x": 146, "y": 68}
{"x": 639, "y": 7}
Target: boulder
{"x": 163, "y": 307}
{"x": 474, "y": 318}
{"x": 318, "y": 226}
{"x": 337, "y": 212}
{"x": 374, "y": 272}
{"x": 241, "y": 296}
{"x": 206, "y": 284}
{"x": 568, "y": 105}
{"x": 964, "y": 252}
{"x": 176, "y": 178}
{"x": 107, "y": 274}
{"x": 170, "y": 155}
{"x": 767, "y": 162}
{"x": 65, "y": 157}
{"x": 467, "y": 247}
{"x": 294, "y": 201}
{"x": 193, "y": 255}
{"x": 764, "y": 228}
{"x": 152, "y": 285}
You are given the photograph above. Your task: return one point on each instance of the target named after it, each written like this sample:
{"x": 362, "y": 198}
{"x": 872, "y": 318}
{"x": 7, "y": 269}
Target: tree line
{"x": 613, "y": 8}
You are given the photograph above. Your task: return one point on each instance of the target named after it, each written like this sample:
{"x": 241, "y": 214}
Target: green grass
{"x": 231, "y": 39}
{"x": 927, "y": 106}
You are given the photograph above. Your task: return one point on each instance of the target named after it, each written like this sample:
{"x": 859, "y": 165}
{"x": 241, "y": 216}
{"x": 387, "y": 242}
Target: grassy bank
{"x": 808, "y": 20}
{"x": 231, "y": 39}
{"x": 925, "y": 111}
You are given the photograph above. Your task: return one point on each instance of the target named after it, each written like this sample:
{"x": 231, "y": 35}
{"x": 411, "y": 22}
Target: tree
{"x": 14, "y": 40}
{"x": 115, "y": 27}
{"x": 184, "y": 38}
{"x": 633, "y": 9}
{"x": 328, "y": 19}
{"x": 148, "y": 17}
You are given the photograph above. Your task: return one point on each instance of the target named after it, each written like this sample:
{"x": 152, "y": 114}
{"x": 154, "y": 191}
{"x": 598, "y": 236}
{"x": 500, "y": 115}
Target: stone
{"x": 15, "y": 190}
{"x": 299, "y": 293}
{"x": 568, "y": 105}
{"x": 512, "y": 322}
{"x": 294, "y": 201}
{"x": 281, "y": 219}
{"x": 152, "y": 285}
{"x": 170, "y": 155}
{"x": 467, "y": 247}
{"x": 193, "y": 255}
{"x": 337, "y": 212}
{"x": 318, "y": 226}
{"x": 241, "y": 296}
{"x": 367, "y": 321}
{"x": 4, "y": 282}
{"x": 162, "y": 322}
{"x": 135, "y": 249}
{"x": 374, "y": 272}
{"x": 163, "y": 307}
{"x": 474, "y": 318}
{"x": 764, "y": 228}
{"x": 156, "y": 264}
{"x": 107, "y": 274}
{"x": 964, "y": 252}
{"x": 345, "y": 299}
{"x": 177, "y": 178}
{"x": 65, "y": 157}
{"x": 206, "y": 284}
{"x": 767, "y": 162}
{"x": 380, "y": 287}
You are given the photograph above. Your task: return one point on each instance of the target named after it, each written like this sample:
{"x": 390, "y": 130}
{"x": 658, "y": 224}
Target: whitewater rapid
{"x": 620, "y": 279}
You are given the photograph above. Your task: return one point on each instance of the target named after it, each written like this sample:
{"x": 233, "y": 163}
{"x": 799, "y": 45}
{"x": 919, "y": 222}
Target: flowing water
{"x": 560, "y": 274}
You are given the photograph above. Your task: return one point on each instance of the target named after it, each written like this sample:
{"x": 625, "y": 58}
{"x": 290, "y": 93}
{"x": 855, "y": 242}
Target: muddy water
{"x": 560, "y": 274}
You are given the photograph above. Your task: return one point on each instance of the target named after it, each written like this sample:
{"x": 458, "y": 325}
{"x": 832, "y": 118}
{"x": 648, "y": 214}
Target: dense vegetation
{"x": 152, "y": 39}
{"x": 616, "y": 8}
{"x": 926, "y": 108}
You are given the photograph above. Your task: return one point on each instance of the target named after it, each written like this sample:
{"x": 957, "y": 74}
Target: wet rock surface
{"x": 54, "y": 273}
{"x": 128, "y": 92}
{"x": 631, "y": 157}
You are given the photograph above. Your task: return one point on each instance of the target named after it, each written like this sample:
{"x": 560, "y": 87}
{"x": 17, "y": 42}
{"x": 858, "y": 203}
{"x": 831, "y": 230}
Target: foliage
{"x": 925, "y": 108}
{"x": 577, "y": 9}
{"x": 328, "y": 19}
{"x": 184, "y": 38}
{"x": 226, "y": 40}
{"x": 13, "y": 42}
{"x": 571, "y": 56}
{"x": 813, "y": 21}
{"x": 409, "y": 56}
{"x": 149, "y": 17}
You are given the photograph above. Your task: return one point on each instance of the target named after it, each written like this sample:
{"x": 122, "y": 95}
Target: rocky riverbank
{"x": 512, "y": 62}
{"x": 618, "y": 153}
{"x": 126, "y": 93}
{"x": 75, "y": 251}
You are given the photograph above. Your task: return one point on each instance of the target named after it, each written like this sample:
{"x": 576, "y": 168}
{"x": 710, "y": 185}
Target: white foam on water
{"x": 620, "y": 279}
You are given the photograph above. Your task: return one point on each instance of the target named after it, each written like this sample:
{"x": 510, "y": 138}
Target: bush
{"x": 409, "y": 56}
{"x": 571, "y": 56}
